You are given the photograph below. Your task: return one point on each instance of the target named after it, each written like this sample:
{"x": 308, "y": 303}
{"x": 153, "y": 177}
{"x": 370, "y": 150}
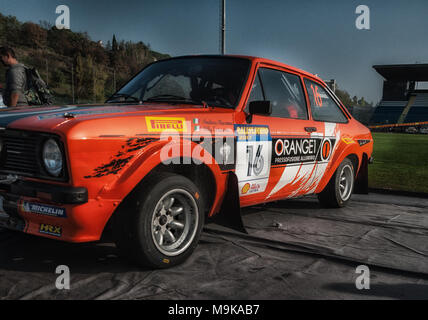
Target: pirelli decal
{"x": 301, "y": 150}
{"x": 165, "y": 124}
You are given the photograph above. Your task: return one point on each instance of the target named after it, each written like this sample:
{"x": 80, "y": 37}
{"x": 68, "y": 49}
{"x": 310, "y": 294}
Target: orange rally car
{"x": 186, "y": 139}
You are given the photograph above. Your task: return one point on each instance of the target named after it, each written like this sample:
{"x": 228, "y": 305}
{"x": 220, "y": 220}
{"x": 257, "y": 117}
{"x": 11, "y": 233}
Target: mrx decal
{"x": 254, "y": 152}
{"x": 51, "y": 230}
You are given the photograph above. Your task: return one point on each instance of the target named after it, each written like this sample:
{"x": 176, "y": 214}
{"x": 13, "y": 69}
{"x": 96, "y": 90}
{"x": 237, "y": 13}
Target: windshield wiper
{"x": 122, "y": 95}
{"x": 165, "y": 97}
{"x": 174, "y": 99}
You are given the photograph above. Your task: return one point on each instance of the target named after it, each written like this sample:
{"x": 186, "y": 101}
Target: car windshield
{"x": 213, "y": 81}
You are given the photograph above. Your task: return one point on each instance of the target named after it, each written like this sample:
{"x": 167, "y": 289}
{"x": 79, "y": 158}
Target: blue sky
{"x": 317, "y": 36}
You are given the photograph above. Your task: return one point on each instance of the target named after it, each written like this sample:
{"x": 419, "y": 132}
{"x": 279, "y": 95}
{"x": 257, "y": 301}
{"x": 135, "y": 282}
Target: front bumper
{"x": 43, "y": 209}
{"x": 54, "y": 193}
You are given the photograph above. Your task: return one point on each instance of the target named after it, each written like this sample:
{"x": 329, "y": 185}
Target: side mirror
{"x": 260, "y": 107}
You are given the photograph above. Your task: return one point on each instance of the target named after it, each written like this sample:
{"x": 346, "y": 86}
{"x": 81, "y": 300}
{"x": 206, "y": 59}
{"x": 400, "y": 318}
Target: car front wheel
{"x": 162, "y": 225}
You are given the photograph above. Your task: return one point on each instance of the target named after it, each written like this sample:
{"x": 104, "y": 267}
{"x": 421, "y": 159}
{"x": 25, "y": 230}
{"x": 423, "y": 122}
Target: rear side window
{"x": 323, "y": 107}
{"x": 285, "y": 92}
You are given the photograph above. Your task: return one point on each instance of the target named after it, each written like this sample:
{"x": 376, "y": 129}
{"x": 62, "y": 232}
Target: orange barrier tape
{"x": 399, "y": 125}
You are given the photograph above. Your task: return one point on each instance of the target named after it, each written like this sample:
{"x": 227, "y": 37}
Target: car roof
{"x": 255, "y": 60}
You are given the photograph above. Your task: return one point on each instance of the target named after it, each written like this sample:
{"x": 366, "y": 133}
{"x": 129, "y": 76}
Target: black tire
{"x": 332, "y": 195}
{"x": 143, "y": 227}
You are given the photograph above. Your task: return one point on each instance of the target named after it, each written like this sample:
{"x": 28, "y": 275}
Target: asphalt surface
{"x": 294, "y": 250}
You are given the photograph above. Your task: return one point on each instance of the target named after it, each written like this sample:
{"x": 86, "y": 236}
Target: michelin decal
{"x": 52, "y": 211}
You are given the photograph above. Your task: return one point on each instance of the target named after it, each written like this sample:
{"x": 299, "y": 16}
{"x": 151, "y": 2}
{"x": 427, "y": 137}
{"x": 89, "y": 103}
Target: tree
{"x": 10, "y": 27}
{"x": 33, "y": 35}
{"x": 354, "y": 101}
{"x": 114, "y": 55}
{"x": 114, "y": 44}
{"x": 84, "y": 78}
{"x": 45, "y": 24}
{"x": 362, "y": 102}
{"x": 344, "y": 97}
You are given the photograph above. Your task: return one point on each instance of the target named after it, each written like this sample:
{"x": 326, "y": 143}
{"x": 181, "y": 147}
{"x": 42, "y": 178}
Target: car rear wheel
{"x": 339, "y": 190}
{"x": 165, "y": 225}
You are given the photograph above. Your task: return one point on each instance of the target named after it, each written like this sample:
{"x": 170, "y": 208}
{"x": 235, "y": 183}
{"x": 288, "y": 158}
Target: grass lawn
{"x": 401, "y": 162}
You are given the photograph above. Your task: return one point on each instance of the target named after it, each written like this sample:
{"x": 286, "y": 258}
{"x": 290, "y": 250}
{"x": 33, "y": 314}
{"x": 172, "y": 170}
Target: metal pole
{"x": 72, "y": 80}
{"x": 223, "y": 28}
{"x": 93, "y": 75}
{"x": 114, "y": 80}
{"x": 47, "y": 72}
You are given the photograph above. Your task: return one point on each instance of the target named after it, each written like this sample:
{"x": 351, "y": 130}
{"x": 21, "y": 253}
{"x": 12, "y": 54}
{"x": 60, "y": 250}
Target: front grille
{"x": 21, "y": 154}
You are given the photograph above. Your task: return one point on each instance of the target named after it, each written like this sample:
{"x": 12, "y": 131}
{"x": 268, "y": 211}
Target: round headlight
{"x": 52, "y": 157}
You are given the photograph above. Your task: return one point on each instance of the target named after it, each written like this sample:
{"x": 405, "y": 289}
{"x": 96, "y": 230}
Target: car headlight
{"x": 52, "y": 157}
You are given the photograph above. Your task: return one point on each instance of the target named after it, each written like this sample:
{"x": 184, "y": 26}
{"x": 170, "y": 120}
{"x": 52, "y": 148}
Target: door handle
{"x": 310, "y": 129}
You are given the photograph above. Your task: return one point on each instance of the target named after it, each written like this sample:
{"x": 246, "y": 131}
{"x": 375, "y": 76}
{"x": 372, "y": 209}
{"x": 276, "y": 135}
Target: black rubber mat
{"x": 294, "y": 250}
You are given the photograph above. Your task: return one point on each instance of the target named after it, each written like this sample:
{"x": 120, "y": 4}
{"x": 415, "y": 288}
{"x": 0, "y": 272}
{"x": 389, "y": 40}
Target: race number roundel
{"x": 326, "y": 149}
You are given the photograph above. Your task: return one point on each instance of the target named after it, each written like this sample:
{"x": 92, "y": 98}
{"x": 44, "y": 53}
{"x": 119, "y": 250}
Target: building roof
{"x": 403, "y": 72}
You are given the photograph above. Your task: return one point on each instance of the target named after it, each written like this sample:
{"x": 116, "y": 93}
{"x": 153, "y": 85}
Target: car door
{"x": 330, "y": 120}
{"x": 288, "y": 128}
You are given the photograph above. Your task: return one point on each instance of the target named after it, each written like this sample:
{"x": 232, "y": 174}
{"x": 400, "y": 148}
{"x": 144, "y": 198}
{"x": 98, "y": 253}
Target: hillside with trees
{"x": 71, "y": 63}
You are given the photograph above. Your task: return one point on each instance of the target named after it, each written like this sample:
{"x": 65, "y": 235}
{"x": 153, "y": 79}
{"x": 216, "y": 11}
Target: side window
{"x": 285, "y": 92}
{"x": 256, "y": 92}
{"x": 323, "y": 107}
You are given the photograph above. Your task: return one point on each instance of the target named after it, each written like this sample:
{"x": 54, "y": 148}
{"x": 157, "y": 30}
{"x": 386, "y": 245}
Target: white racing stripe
{"x": 304, "y": 175}
{"x": 330, "y": 131}
{"x": 288, "y": 176}
{"x": 320, "y": 170}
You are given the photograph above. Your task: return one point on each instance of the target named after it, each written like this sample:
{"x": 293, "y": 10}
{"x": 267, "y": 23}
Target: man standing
{"x": 16, "y": 79}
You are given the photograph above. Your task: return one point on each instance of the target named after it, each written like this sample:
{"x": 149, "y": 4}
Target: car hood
{"x": 48, "y": 118}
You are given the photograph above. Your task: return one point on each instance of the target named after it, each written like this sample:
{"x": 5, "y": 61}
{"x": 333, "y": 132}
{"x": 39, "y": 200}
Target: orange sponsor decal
{"x": 161, "y": 124}
{"x": 348, "y": 140}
